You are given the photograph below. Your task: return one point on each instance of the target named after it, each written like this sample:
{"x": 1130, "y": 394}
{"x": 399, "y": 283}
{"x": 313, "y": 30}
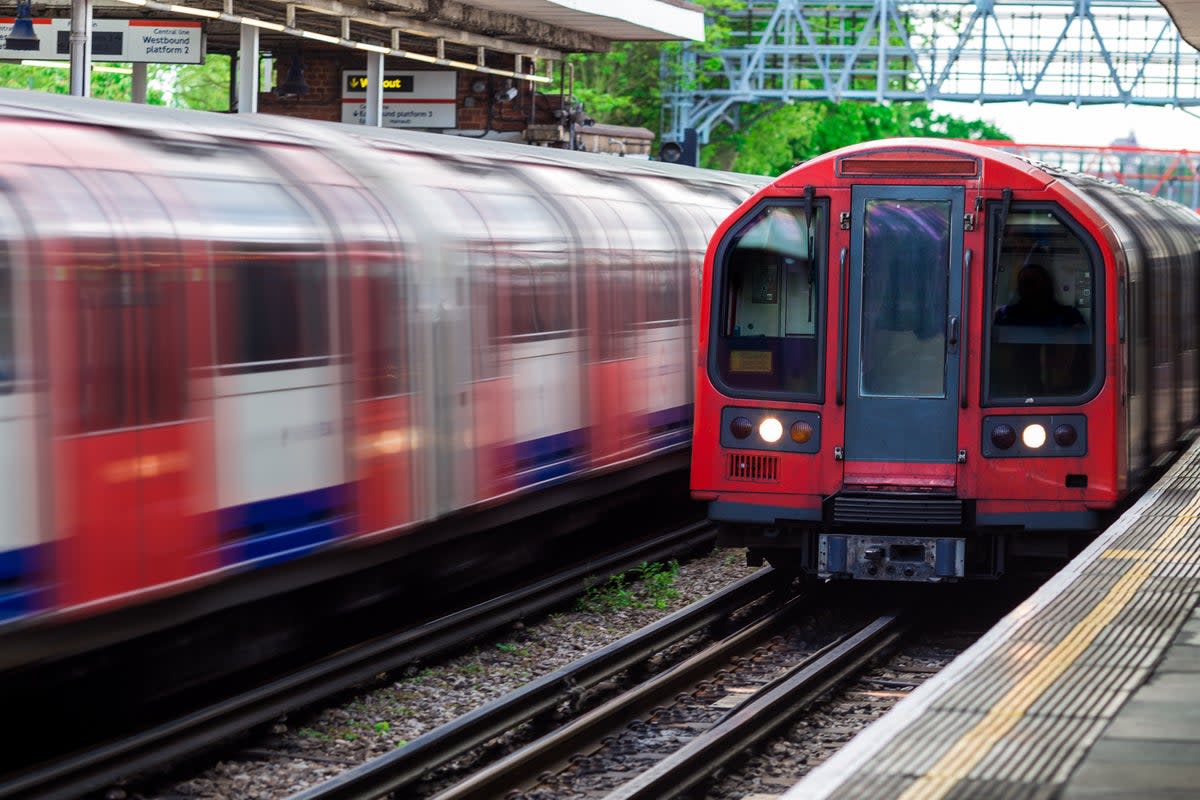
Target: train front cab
{"x": 906, "y": 373}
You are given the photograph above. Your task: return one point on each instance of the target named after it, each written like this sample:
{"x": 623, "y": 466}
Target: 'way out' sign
{"x": 411, "y": 99}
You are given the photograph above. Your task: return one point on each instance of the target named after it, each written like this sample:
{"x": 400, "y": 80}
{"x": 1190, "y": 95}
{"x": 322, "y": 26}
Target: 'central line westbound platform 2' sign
{"x": 133, "y": 40}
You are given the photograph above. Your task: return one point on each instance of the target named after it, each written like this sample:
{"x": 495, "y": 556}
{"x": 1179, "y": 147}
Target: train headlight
{"x": 1034, "y": 436}
{"x": 770, "y": 429}
{"x": 1065, "y": 435}
{"x": 801, "y": 432}
{"x": 1003, "y": 436}
{"x": 741, "y": 427}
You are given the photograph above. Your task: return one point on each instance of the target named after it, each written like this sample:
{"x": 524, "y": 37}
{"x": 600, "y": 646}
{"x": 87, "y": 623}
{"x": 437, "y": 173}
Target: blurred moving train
{"x": 922, "y": 359}
{"x": 227, "y": 343}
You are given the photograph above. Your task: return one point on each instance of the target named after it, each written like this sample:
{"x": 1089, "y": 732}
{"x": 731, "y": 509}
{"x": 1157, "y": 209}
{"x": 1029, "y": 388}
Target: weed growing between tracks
{"x": 653, "y": 586}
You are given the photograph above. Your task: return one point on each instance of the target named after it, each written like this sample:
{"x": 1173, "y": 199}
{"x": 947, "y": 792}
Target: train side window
{"x": 1043, "y": 319}
{"x": 271, "y": 305}
{"x": 270, "y": 275}
{"x": 769, "y": 310}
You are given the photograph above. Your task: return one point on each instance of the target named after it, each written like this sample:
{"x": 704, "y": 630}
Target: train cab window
{"x": 1043, "y": 315}
{"x": 769, "y": 326}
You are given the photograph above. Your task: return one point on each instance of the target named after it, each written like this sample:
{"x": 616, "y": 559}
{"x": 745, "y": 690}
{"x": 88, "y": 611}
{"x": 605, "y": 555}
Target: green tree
{"x": 625, "y": 87}
{"x": 202, "y": 86}
{"x": 57, "y": 80}
{"x": 782, "y": 136}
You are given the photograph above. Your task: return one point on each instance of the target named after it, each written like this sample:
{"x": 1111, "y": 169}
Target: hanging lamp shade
{"x": 294, "y": 84}
{"x": 22, "y": 36}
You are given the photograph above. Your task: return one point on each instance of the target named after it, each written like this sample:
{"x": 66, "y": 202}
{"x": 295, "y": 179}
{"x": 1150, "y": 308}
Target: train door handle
{"x": 952, "y": 335}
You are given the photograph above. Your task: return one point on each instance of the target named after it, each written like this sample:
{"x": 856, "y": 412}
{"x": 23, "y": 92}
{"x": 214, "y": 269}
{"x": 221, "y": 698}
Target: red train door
{"x": 129, "y": 471}
{"x": 383, "y": 413}
{"x": 905, "y": 333}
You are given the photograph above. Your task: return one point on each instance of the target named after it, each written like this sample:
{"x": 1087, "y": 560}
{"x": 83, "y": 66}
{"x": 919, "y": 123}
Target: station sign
{"x": 411, "y": 99}
{"x": 130, "y": 40}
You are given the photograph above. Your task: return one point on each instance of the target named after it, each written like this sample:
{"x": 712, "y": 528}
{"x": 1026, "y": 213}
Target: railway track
{"x": 186, "y": 736}
{"x": 596, "y": 751}
{"x": 747, "y": 712}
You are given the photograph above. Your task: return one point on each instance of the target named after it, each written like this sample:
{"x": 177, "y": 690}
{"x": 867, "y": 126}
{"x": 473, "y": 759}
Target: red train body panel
{"x": 920, "y": 358}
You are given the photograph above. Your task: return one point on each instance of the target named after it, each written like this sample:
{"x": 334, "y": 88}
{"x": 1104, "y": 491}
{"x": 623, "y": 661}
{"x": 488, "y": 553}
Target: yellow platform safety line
{"x": 968, "y": 751}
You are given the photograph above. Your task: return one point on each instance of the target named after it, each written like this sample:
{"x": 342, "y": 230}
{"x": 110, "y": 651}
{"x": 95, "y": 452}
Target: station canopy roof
{"x": 505, "y": 37}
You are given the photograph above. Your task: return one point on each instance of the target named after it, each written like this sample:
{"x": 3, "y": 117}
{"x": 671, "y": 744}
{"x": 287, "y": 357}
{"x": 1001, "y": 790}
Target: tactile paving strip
{"x": 1015, "y": 714}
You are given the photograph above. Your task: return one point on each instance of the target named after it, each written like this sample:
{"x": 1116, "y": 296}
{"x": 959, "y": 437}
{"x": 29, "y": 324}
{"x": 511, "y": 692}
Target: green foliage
{"x": 655, "y": 588}
{"x": 202, "y": 86}
{"x": 383, "y": 727}
{"x": 786, "y": 135}
{"x": 621, "y": 87}
{"x": 57, "y": 80}
{"x": 311, "y": 733}
{"x": 659, "y": 582}
{"x": 625, "y": 87}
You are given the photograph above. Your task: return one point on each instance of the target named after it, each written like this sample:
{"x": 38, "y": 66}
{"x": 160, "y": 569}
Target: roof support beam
{"x": 562, "y": 39}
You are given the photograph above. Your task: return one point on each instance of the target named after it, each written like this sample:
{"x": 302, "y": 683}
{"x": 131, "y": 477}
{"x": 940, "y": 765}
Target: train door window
{"x": 380, "y": 264}
{"x": 905, "y": 276}
{"x": 615, "y": 303}
{"x": 102, "y": 290}
{"x": 1043, "y": 300}
{"x": 769, "y": 309}
{"x": 105, "y": 365}
{"x": 157, "y": 297}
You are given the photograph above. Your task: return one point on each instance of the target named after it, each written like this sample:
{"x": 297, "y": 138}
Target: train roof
{"x": 169, "y": 123}
{"x": 906, "y": 158}
{"x": 976, "y": 165}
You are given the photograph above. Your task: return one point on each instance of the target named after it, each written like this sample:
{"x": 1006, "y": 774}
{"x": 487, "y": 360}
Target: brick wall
{"x": 323, "y": 73}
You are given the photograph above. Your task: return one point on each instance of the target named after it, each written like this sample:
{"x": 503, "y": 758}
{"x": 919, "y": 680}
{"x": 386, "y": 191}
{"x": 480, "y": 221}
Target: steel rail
{"x": 94, "y": 768}
{"x": 402, "y": 767}
{"x": 588, "y": 730}
{"x": 763, "y": 712}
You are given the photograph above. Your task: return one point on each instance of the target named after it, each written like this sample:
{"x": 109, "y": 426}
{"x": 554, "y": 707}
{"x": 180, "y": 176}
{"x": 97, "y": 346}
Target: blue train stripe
{"x": 677, "y": 417}
{"x": 21, "y": 573}
{"x": 282, "y": 528}
{"x": 549, "y": 458}
{"x": 275, "y": 548}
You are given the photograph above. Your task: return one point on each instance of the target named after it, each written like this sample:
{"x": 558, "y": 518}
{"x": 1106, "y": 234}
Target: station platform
{"x": 1089, "y": 689}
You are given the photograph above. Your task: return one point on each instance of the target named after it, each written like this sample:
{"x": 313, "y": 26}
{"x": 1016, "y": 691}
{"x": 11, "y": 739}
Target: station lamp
{"x": 22, "y": 36}
{"x": 294, "y": 84}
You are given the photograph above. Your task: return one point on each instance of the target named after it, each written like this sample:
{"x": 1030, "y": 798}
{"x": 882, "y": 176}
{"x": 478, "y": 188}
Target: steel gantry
{"x": 1056, "y": 51}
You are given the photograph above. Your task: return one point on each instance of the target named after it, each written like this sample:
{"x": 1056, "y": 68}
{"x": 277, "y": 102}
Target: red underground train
{"x": 923, "y": 360}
